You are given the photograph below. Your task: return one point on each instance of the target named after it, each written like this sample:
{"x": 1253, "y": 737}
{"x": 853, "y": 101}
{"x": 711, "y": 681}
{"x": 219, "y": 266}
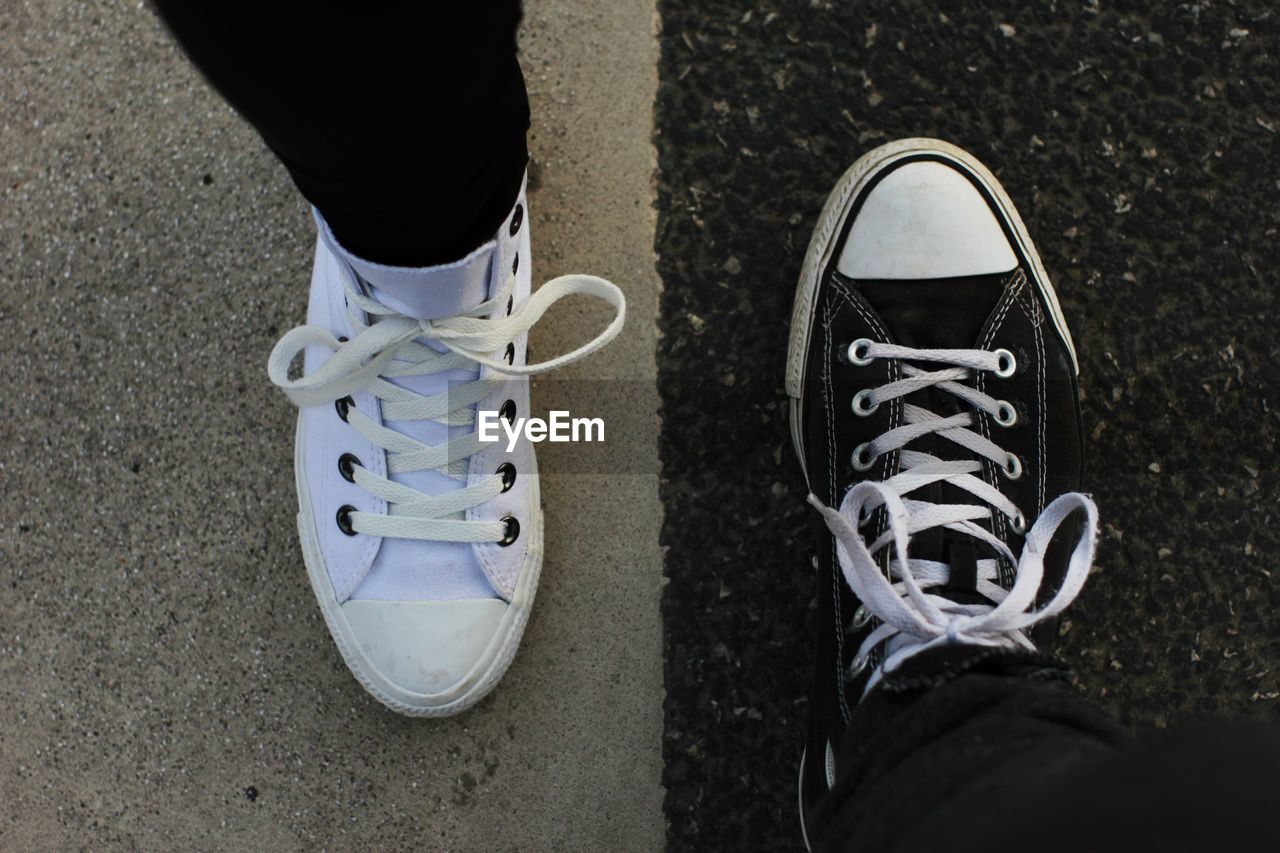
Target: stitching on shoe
{"x": 890, "y": 464}
{"x": 375, "y": 543}
{"x": 896, "y": 407}
{"x": 1013, "y": 287}
{"x": 491, "y": 555}
{"x": 351, "y": 580}
{"x": 1036, "y": 319}
{"x": 830, "y": 311}
{"x": 505, "y": 586}
{"x": 337, "y": 312}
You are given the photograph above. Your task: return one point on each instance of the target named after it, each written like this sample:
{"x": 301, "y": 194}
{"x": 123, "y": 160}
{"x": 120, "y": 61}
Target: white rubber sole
{"x": 831, "y": 224}
{"x": 482, "y": 677}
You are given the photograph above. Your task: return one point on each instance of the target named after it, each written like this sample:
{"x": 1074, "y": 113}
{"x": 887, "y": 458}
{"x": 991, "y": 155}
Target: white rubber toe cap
{"x": 435, "y": 651}
{"x": 925, "y": 220}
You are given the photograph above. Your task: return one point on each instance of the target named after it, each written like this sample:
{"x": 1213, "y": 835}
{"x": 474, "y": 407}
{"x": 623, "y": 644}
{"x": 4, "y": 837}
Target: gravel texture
{"x": 1140, "y": 146}
{"x": 166, "y": 679}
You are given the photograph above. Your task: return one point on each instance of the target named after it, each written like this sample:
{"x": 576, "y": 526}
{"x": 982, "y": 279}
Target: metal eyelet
{"x": 344, "y": 519}
{"x": 861, "y": 459}
{"x": 347, "y": 465}
{"x": 1007, "y": 365}
{"x": 861, "y": 345}
{"x": 516, "y": 219}
{"x": 515, "y": 263}
{"x": 856, "y": 666}
{"x": 1019, "y": 523}
{"x": 1006, "y": 414}
{"x": 342, "y": 339}
{"x": 511, "y": 301}
{"x": 511, "y": 531}
{"x": 861, "y": 617}
{"x": 508, "y": 411}
{"x": 507, "y": 472}
{"x": 344, "y": 406}
{"x": 860, "y": 407}
{"x": 511, "y": 354}
{"x": 1012, "y": 468}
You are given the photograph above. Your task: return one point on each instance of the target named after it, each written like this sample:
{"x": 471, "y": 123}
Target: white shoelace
{"x": 913, "y": 620}
{"x": 393, "y": 345}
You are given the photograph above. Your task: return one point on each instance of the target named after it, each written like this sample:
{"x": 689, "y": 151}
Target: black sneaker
{"x": 933, "y": 400}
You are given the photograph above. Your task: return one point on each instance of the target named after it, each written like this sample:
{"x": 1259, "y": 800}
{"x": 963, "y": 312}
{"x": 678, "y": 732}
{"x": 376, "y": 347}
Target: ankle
{"x": 411, "y": 227}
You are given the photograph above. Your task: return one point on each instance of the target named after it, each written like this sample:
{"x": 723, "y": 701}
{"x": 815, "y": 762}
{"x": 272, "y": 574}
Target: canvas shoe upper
{"x": 934, "y": 410}
{"x": 423, "y": 544}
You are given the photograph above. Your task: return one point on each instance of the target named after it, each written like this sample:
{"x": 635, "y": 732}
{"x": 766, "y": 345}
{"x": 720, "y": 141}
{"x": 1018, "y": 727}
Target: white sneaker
{"x": 423, "y": 544}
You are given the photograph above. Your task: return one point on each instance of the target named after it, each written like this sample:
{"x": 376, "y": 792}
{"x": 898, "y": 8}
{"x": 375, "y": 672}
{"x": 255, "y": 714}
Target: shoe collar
{"x": 426, "y": 293}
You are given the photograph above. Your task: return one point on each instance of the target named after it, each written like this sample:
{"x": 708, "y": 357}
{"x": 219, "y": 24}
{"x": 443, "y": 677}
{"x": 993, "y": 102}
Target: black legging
{"x": 404, "y": 126}
{"x": 409, "y": 136}
{"x": 997, "y": 763}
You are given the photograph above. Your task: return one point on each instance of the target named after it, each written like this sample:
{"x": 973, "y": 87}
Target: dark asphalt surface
{"x": 1141, "y": 147}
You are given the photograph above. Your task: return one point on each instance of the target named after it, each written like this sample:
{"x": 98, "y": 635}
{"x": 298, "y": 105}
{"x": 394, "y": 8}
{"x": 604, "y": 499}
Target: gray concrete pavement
{"x": 166, "y": 681}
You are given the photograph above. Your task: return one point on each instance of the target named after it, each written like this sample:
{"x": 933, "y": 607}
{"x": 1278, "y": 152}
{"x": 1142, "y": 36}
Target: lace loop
{"x": 914, "y": 620}
{"x": 390, "y": 345}
{"x": 365, "y": 357}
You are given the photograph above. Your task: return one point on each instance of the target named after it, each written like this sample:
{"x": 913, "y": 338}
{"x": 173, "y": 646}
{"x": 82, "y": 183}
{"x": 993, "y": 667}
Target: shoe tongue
{"x": 424, "y": 293}
{"x": 943, "y": 313}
